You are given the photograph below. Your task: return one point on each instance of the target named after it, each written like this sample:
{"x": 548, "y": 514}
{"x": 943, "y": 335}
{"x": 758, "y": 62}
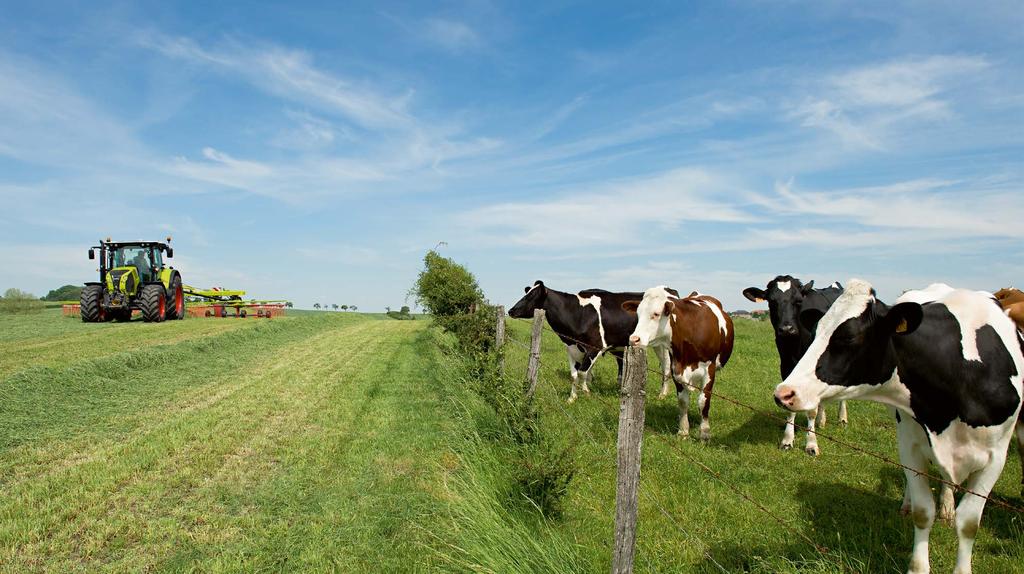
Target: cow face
{"x": 533, "y": 300}
{"x": 784, "y": 295}
{"x": 652, "y": 313}
{"x": 851, "y": 354}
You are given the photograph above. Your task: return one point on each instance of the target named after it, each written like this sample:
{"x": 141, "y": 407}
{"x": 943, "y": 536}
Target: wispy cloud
{"x": 615, "y": 213}
{"x": 451, "y": 35}
{"x": 953, "y": 209}
{"x": 861, "y": 106}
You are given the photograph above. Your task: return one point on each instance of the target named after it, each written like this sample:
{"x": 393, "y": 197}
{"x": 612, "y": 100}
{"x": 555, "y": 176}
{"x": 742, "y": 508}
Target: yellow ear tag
{"x": 902, "y": 327}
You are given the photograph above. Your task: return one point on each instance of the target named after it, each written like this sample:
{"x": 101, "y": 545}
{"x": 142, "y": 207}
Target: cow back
{"x": 701, "y": 330}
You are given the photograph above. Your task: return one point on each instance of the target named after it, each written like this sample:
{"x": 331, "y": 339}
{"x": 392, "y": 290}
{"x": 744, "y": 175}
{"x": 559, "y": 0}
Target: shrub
{"x": 18, "y": 301}
{"x": 444, "y": 288}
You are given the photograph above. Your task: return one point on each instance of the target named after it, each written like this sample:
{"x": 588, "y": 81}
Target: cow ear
{"x": 807, "y": 288}
{"x": 809, "y": 318}
{"x": 630, "y": 306}
{"x": 527, "y": 289}
{"x": 904, "y": 318}
{"x": 754, "y": 294}
{"x": 669, "y": 306}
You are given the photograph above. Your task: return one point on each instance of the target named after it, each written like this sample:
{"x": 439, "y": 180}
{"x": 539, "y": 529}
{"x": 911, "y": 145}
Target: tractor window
{"x": 158, "y": 258}
{"x": 137, "y": 256}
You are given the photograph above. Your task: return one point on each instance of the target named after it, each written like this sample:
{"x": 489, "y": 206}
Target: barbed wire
{"x": 777, "y": 418}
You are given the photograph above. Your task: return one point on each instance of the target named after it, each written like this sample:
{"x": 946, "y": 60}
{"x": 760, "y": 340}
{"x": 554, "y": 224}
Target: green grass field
{"x": 350, "y": 443}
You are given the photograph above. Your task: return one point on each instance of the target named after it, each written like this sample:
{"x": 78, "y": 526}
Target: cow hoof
{"x": 786, "y": 446}
{"x": 705, "y": 437}
{"x": 812, "y": 450}
{"x": 844, "y": 422}
{"x": 571, "y": 400}
{"x": 683, "y": 435}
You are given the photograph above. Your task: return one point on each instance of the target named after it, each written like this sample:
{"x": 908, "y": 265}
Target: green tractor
{"x": 133, "y": 276}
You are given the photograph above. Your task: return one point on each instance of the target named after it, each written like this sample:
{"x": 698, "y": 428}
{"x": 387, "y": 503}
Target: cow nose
{"x": 785, "y": 397}
{"x": 788, "y": 329}
{"x": 634, "y": 340}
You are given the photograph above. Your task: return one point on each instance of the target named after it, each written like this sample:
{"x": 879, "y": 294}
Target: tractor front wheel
{"x": 153, "y": 303}
{"x": 176, "y": 299}
{"x": 91, "y": 304}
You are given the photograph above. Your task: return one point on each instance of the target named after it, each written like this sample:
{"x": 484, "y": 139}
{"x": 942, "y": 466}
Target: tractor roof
{"x": 116, "y": 244}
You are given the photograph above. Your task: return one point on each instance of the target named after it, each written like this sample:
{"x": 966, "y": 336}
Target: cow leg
{"x": 968, "y": 513}
{"x": 683, "y": 398}
{"x": 812, "y": 437}
{"x": 843, "y": 419}
{"x": 704, "y": 400}
{"x": 666, "y": 370}
{"x": 574, "y": 372}
{"x": 1020, "y": 450}
{"x": 789, "y": 434}
{"x": 822, "y": 417}
{"x": 619, "y": 362}
{"x": 922, "y": 503}
{"x": 588, "y": 372}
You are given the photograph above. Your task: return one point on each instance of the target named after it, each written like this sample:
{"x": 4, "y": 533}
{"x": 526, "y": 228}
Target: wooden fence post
{"x": 499, "y": 336}
{"x": 533, "y": 369}
{"x": 631, "y": 435}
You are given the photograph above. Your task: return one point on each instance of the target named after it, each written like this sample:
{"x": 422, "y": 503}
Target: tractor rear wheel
{"x": 153, "y": 303}
{"x": 175, "y": 299}
{"x": 91, "y": 304}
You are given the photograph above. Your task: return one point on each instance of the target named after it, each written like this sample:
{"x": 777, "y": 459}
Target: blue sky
{"x": 316, "y": 151}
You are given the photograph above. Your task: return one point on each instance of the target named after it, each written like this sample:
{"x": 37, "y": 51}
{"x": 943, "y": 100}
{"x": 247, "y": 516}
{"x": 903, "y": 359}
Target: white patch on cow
{"x": 835, "y": 285}
{"x": 595, "y": 302}
{"x": 783, "y": 285}
{"x": 718, "y": 315}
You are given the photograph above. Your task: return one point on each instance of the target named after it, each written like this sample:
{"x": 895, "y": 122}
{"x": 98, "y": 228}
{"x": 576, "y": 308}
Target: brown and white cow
{"x": 699, "y": 336}
{"x": 1012, "y": 302}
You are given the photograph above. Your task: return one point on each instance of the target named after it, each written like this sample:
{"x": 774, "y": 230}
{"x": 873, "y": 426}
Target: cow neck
{"x": 558, "y": 307}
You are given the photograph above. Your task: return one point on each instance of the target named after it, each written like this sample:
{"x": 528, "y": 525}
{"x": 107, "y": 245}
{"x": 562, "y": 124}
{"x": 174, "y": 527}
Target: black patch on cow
{"x": 943, "y": 384}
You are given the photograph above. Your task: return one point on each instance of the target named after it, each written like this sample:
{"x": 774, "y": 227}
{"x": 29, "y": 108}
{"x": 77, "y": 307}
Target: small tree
{"x": 352, "y": 308}
{"x": 316, "y": 305}
{"x": 288, "y": 304}
{"x": 344, "y": 307}
{"x": 405, "y": 310}
{"x": 444, "y": 288}
{"x": 334, "y": 306}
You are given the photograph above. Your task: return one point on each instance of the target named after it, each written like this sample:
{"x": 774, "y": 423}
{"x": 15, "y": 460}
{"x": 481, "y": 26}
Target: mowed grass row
{"x": 845, "y": 501}
{"x": 313, "y": 443}
{"x": 48, "y": 339}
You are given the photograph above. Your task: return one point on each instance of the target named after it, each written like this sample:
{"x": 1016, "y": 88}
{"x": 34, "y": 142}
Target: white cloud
{"x": 616, "y": 213}
{"x": 864, "y": 105}
{"x": 950, "y": 209}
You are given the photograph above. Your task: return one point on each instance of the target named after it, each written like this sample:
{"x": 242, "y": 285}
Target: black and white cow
{"x": 590, "y": 323}
{"x": 950, "y": 362}
{"x": 787, "y": 296}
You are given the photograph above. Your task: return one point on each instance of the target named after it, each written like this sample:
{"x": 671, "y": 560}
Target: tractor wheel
{"x": 91, "y": 304}
{"x": 153, "y": 303}
{"x": 175, "y": 299}
{"x": 242, "y": 313}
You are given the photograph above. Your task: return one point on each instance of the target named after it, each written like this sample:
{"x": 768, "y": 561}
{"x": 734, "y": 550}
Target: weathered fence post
{"x": 631, "y": 436}
{"x": 499, "y": 337}
{"x": 533, "y": 369}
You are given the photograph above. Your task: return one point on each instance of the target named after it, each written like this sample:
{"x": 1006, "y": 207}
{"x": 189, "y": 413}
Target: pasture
{"x": 350, "y": 443}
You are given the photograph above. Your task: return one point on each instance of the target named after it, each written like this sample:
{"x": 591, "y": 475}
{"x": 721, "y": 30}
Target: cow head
{"x": 534, "y": 299}
{"x": 784, "y": 295}
{"x": 652, "y": 313}
{"x": 851, "y": 355}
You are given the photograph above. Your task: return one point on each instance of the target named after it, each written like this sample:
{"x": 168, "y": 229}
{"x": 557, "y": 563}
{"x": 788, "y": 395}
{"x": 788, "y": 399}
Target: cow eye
{"x": 655, "y": 315}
